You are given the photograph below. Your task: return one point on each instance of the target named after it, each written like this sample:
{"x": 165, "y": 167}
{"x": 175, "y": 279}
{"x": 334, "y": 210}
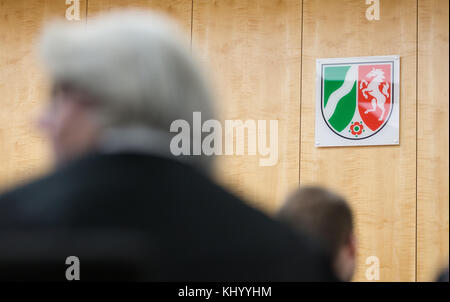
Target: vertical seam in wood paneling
{"x": 417, "y": 127}
{"x": 192, "y": 19}
{"x": 301, "y": 95}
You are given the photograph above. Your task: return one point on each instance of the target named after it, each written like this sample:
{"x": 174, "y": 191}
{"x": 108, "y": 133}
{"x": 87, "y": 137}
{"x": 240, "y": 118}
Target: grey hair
{"x": 134, "y": 63}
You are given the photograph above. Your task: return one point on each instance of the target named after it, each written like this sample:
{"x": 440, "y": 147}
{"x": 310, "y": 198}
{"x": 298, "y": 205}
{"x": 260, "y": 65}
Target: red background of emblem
{"x": 371, "y": 118}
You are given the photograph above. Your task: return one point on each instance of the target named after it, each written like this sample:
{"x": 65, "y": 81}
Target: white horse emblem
{"x": 372, "y": 88}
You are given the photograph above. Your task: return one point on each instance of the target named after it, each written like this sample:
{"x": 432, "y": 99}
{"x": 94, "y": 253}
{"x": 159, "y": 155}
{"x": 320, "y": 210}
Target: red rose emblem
{"x": 356, "y": 128}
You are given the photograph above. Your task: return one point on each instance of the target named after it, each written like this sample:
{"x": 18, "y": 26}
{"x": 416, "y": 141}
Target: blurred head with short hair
{"x": 328, "y": 218}
{"x": 125, "y": 75}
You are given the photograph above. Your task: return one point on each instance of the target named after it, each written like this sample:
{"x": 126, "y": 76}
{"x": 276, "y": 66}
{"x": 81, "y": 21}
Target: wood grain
{"x": 179, "y": 10}
{"x": 380, "y": 182}
{"x": 261, "y": 71}
{"x": 253, "y": 50}
{"x": 432, "y": 139}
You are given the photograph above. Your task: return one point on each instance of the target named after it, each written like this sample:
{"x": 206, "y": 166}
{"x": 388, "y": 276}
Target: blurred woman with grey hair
{"x": 118, "y": 84}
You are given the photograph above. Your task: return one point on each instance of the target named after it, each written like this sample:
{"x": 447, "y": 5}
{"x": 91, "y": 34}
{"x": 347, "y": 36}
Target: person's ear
{"x": 352, "y": 244}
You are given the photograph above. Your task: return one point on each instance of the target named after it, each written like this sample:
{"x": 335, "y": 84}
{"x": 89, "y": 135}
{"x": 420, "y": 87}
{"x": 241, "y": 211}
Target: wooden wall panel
{"x": 432, "y": 139}
{"x": 23, "y": 151}
{"x": 379, "y": 181}
{"x": 179, "y": 10}
{"x": 253, "y": 49}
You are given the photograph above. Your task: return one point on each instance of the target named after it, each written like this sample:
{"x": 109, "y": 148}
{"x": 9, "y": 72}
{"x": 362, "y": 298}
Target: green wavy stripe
{"x": 345, "y": 109}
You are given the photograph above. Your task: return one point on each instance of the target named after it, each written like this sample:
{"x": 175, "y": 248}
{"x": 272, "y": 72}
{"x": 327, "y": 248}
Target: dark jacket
{"x": 187, "y": 227}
